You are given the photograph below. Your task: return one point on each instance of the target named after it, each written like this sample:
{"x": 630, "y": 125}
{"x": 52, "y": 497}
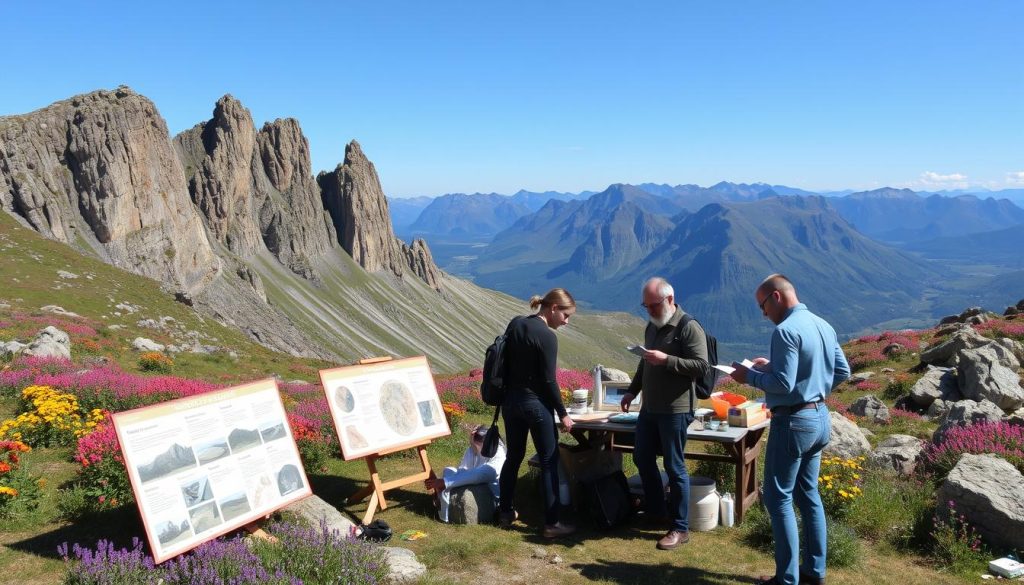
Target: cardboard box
{"x": 747, "y": 417}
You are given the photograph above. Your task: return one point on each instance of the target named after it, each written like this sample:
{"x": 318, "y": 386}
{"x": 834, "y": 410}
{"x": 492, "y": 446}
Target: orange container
{"x": 721, "y": 407}
{"x": 733, "y": 399}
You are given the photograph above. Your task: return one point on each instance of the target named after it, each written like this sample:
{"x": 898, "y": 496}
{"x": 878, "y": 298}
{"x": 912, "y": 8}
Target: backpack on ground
{"x": 706, "y": 385}
{"x": 606, "y": 500}
{"x": 492, "y": 385}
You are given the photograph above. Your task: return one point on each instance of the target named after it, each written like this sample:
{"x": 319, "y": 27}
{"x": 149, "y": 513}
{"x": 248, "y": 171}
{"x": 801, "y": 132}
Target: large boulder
{"x": 146, "y": 344}
{"x": 935, "y": 384}
{"x": 50, "y": 342}
{"x": 1015, "y": 347}
{"x": 945, "y": 353}
{"x": 966, "y": 413}
{"x": 872, "y": 408}
{"x": 10, "y": 349}
{"x": 846, "y": 441}
{"x": 939, "y": 409}
{"x": 990, "y": 373}
{"x": 987, "y": 490}
{"x": 471, "y": 504}
{"x": 613, "y": 375}
{"x": 898, "y": 453}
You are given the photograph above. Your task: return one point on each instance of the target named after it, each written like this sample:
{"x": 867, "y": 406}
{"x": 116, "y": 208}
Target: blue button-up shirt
{"x": 806, "y": 361}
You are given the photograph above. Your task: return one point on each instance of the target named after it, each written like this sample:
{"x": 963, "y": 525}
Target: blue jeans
{"x": 524, "y": 413}
{"x": 791, "y": 468}
{"x": 667, "y": 431}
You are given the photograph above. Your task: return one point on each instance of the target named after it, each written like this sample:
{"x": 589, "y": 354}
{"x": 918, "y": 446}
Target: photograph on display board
{"x": 383, "y": 406}
{"x": 208, "y": 464}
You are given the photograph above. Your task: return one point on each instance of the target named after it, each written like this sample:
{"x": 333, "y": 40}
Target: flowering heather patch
{"x": 868, "y": 386}
{"x": 78, "y": 330}
{"x": 999, "y": 438}
{"x": 1002, "y": 328}
{"x": 102, "y": 474}
{"x": 896, "y": 414}
{"x": 301, "y": 555}
{"x": 24, "y": 371}
{"x": 109, "y": 388}
{"x": 573, "y": 379}
{"x": 316, "y": 411}
{"x": 463, "y": 389}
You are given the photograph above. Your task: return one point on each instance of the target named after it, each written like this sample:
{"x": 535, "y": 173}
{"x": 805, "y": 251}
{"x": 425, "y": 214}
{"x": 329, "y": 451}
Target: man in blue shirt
{"x": 806, "y": 364}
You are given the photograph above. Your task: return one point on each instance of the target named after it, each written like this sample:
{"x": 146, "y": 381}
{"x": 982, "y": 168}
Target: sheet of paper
{"x": 636, "y": 349}
{"x": 729, "y": 369}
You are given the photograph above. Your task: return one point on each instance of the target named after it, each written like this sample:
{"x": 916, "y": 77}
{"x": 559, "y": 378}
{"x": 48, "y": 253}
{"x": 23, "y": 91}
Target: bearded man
{"x": 675, "y": 355}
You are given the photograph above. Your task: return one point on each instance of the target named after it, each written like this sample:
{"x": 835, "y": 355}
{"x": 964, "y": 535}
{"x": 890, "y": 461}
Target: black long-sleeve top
{"x": 531, "y": 355}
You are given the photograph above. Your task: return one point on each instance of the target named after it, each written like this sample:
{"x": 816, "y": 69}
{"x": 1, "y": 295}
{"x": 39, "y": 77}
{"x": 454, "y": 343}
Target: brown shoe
{"x": 673, "y": 539}
{"x": 556, "y": 530}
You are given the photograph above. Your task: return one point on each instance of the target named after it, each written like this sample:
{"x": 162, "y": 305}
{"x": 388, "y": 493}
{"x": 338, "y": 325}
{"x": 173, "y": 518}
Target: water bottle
{"x": 728, "y": 507}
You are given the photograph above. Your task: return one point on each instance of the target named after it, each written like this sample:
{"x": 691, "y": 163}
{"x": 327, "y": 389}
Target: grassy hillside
{"x": 353, "y": 313}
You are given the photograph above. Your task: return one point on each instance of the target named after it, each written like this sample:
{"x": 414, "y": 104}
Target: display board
{"x": 203, "y": 466}
{"x": 383, "y": 406}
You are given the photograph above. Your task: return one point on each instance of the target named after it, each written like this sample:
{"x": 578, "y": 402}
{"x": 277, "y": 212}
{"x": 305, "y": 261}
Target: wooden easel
{"x": 255, "y": 528}
{"x": 376, "y": 488}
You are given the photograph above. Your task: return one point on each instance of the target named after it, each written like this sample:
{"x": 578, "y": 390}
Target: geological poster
{"x": 383, "y": 406}
{"x": 206, "y": 465}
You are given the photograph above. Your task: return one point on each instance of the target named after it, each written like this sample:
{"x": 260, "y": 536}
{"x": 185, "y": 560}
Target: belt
{"x": 791, "y": 409}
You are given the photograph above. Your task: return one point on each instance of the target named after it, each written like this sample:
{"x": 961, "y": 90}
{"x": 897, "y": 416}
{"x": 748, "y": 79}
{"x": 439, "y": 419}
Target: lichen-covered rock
{"x": 987, "y": 490}
{"x": 872, "y": 408}
{"x": 846, "y": 440}
{"x": 990, "y": 373}
{"x": 899, "y": 453}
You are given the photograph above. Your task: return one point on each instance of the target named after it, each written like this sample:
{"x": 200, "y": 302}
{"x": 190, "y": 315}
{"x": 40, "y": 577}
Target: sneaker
{"x": 556, "y": 530}
{"x": 507, "y": 519}
{"x": 673, "y": 539}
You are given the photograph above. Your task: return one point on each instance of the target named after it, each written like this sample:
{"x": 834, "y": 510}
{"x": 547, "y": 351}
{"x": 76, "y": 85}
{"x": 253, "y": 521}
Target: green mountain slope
{"x": 354, "y": 313}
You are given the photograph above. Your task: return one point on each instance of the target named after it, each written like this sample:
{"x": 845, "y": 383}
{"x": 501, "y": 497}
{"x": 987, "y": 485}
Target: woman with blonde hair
{"x": 532, "y": 395}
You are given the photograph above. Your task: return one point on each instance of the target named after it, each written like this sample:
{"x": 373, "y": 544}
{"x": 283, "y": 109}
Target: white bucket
{"x": 703, "y": 504}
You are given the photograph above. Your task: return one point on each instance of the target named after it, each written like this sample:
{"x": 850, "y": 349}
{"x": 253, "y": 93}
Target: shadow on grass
{"x": 117, "y": 526}
{"x": 666, "y": 572}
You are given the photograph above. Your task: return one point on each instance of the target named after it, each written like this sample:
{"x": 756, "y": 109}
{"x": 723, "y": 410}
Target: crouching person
{"x": 473, "y": 469}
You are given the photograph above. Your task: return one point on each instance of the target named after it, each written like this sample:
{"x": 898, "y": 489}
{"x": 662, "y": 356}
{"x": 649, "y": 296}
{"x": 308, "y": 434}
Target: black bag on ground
{"x": 606, "y": 500}
{"x": 706, "y": 385}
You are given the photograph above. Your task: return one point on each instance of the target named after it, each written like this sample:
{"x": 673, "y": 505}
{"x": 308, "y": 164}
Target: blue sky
{"x": 498, "y": 96}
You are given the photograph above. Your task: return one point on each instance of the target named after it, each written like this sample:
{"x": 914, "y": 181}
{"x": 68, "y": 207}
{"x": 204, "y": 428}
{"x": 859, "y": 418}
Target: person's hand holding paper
{"x": 739, "y": 370}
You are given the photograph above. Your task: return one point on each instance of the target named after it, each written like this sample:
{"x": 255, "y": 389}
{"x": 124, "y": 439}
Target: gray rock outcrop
{"x": 359, "y": 211}
{"x": 872, "y": 408}
{"x": 471, "y": 504}
{"x": 846, "y": 440}
{"x": 50, "y": 342}
{"x": 935, "y": 384}
{"x": 613, "y": 375}
{"x": 98, "y": 171}
{"x": 966, "y": 413}
{"x": 10, "y": 349}
{"x": 987, "y": 491}
{"x": 990, "y": 373}
{"x": 946, "y": 353}
{"x": 899, "y": 453}
{"x": 146, "y": 344}
{"x": 256, "y": 189}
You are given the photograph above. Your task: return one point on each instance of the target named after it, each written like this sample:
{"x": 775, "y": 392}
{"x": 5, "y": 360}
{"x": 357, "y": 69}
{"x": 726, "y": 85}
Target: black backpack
{"x": 492, "y": 385}
{"x": 706, "y": 385}
{"x": 606, "y": 500}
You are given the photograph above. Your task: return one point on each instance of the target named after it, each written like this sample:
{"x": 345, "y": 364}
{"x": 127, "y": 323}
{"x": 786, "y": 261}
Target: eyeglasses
{"x": 654, "y": 304}
{"x": 761, "y": 304}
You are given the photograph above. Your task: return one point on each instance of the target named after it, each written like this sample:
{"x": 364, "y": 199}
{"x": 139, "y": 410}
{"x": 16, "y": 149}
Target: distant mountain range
{"x": 901, "y": 216}
{"x": 715, "y": 257}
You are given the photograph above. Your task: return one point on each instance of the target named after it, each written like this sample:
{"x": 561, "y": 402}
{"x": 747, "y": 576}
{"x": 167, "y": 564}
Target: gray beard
{"x": 661, "y": 321}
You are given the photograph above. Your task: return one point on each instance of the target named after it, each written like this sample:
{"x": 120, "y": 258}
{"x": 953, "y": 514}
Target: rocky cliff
{"x": 228, "y": 217}
{"x": 98, "y": 172}
{"x": 255, "y": 189}
{"x": 353, "y": 196}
